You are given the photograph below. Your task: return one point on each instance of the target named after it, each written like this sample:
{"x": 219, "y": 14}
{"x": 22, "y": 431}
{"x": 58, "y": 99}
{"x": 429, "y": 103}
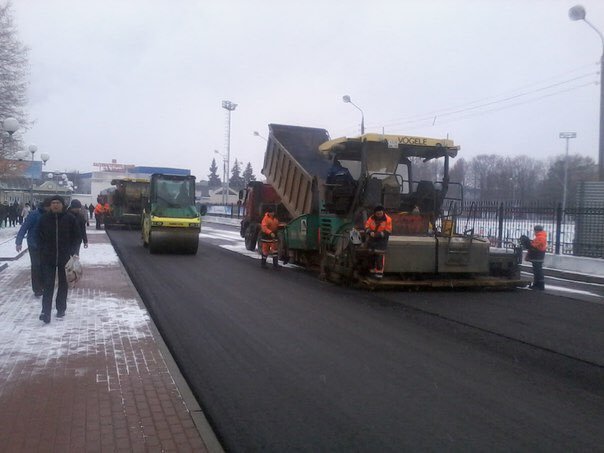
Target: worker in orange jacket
{"x": 268, "y": 237}
{"x": 100, "y": 211}
{"x": 378, "y": 229}
{"x": 536, "y": 255}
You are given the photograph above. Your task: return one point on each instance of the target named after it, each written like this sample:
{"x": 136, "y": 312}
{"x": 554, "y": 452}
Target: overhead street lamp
{"x": 347, "y": 100}
{"x": 567, "y": 136}
{"x": 9, "y": 126}
{"x": 257, "y": 134}
{"x": 229, "y": 106}
{"x": 578, "y": 13}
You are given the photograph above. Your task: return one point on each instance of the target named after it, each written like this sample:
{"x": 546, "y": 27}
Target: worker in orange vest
{"x": 536, "y": 255}
{"x": 100, "y": 211}
{"x": 268, "y": 237}
{"x": 378, "y": 229}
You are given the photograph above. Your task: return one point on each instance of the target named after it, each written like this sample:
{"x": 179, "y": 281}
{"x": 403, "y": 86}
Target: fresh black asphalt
{"x": 281, "y": 361}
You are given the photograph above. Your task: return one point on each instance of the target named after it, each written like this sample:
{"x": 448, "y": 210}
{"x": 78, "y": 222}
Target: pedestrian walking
{"x": 268, "y": 237}
{"x": 29, "y": 229}
{"x": 4, "y": 214}
{"x": 24, "y": 213}
{"x": 75, "y": 208}
{"x": 91, "y": 210}
{"x": 86, "y": 211}
{"x": 13, "y": 213}
{"x": 58, "y": 235}
{"x": 378, "y": 229}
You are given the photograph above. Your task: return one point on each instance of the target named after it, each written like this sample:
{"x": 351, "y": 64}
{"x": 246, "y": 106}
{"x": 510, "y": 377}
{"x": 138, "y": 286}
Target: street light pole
{"x": 224, "y": 171}
{"x": 32, "y": 150}
{"x": 578, "y": 13}
{"x": 347, "y": 100}
{"x": 229, "y": 106}
{"x": 567, "y": 136}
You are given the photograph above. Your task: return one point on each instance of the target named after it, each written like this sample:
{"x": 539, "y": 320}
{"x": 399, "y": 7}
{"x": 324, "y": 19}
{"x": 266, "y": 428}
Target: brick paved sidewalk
{"x": 95, "y": 380}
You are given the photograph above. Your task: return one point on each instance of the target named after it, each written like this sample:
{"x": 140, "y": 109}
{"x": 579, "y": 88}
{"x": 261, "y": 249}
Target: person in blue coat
{"x": 30, "y": 229}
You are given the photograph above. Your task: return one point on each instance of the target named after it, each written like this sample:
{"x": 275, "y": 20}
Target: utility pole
{"x": 567, "y": 136}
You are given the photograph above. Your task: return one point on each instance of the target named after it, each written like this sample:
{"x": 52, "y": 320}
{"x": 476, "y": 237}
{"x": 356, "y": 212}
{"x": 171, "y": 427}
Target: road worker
{"x": 377, "y": 229}
{"x": 536, "y": 255}
{"x": 268, "y": 238}
{"x": 100, "y": 211}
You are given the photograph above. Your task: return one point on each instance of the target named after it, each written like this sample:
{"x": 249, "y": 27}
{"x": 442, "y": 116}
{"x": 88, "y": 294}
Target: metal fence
{"x": 575, "y": 230}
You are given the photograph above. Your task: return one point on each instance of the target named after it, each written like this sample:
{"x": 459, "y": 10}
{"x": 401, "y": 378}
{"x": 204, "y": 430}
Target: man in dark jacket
{"x": 30, "y": 228}
{"x": 75, "y": 208}
{"x": 58, "y": 235}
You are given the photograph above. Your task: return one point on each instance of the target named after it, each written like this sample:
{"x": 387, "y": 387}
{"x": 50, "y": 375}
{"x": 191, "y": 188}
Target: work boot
{"x": 275, "y": 262}
{"x": 263, "y": 262}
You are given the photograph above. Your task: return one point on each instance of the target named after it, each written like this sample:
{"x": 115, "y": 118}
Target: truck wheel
{"x": 251, "y": 237}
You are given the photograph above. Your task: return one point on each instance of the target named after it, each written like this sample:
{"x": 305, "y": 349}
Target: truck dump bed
{"x": 291, "y": 163}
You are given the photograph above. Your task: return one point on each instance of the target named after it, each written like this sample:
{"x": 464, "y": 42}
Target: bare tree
{"x": 580, "y": 168}
{"x": 13, "y": 81}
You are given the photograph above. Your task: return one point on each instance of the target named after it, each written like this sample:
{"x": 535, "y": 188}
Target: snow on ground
{"x": 98, "y": 255}
{"x": 95, "y": 318}
{"x": 7, "y": 241}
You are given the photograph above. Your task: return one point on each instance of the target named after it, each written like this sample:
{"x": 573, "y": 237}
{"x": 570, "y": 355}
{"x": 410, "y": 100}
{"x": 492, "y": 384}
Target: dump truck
{"x": 170, "y": 221}
{"x": 126, "y": 199}
{"x": 255, "y": 199}
{"x": 330, "y": 187}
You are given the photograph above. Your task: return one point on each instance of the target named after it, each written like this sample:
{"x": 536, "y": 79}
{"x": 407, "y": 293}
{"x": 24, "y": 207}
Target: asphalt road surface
{"x": 281, "y": 361}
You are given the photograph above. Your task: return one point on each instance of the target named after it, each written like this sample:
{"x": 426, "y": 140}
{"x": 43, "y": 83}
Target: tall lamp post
{"x": 229, "y": 106}
{"x": 224, "y": 173}
{"x": 578, "y": 13}
{"x": 347, "y": 100}
{"x": 567, "y": 136}
{"x": 44, "y": 157}
{"x": 32, "y": 149}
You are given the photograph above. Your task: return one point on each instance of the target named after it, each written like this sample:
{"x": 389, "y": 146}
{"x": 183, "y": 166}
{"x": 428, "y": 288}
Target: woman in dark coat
{"x": 75, "y": 208}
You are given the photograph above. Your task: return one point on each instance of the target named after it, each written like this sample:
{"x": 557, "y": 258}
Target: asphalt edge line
{"x": 200, "y": 421}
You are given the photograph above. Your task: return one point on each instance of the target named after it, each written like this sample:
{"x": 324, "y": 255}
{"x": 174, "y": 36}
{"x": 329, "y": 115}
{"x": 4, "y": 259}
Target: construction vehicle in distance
{"x": 330, "y": 187}
{"x": 255, "y": 199}
{"x": 170, "y": 221}
{"x": 126, "y": 202}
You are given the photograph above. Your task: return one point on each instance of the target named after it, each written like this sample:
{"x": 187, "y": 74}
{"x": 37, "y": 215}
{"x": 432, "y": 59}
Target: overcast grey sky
{"x": 142, "y": 81}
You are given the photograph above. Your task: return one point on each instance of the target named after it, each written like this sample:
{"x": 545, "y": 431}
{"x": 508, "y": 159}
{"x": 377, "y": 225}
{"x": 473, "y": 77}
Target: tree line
{"x": 487, "y": 177}
{"x": 238, "y": 180}
{"x": 523, "y": 179}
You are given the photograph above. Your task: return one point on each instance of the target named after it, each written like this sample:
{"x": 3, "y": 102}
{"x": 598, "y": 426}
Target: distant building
{"x": 28, "y": 182}
{"x": 215, "y": 196}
